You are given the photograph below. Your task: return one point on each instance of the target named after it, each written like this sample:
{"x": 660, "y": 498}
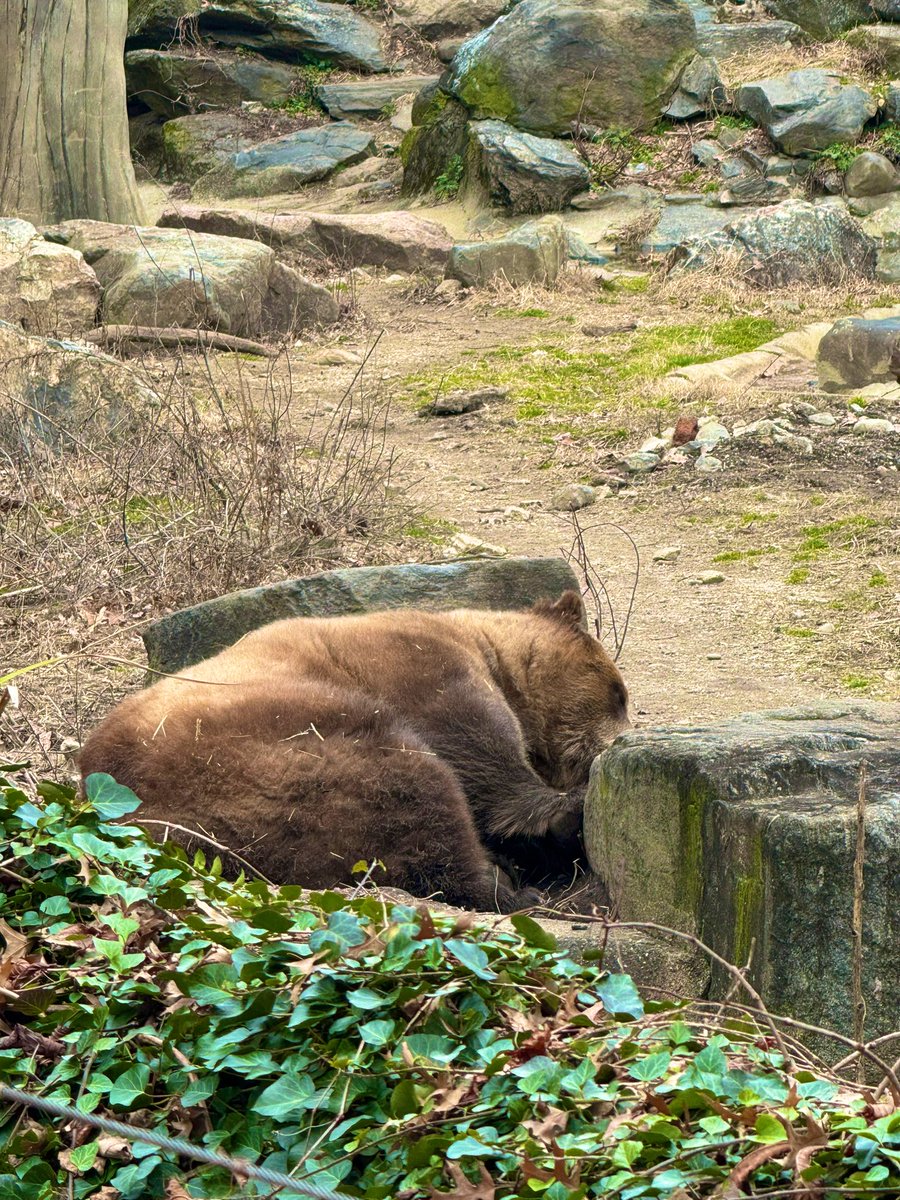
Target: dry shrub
{"x": 220, "y": 485}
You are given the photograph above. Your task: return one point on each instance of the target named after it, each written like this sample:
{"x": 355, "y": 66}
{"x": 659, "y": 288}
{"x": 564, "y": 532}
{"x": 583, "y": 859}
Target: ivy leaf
{"x": 130, "y": 1085}
{"x": 533, "y": 934}
{"x": 620, "y": 996}
{"x": 377, "y": 1033}
{"x": 110, "y": 799}
{"x": 654, "y": 1066}
{"x": 82, "y": 1158}
{"x": 769, "y": 1130}
{"x": 471, "y": 956}
{"x": 288, "y": 1095}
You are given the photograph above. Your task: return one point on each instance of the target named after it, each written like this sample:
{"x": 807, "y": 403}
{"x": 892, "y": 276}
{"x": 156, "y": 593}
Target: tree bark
{"x": 64, "y": 145}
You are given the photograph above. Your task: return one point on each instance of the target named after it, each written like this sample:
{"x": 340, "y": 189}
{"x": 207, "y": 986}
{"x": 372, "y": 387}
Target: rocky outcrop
{"x": 700, "y": 90}
{"x": 197, "y": 144}
{"x": 524, "y": 173}
{"x": 287, "y": 163}
{"x": 794, "y": 242}
{"x": 744, "y": 833}
{"x": 808, "y": 110}
{"x": 824, "y": 19}
{"x": 881, "y": 42}
{"x": 548, "y": 64}
{"x": 439, "y": 137}
{"x": 168, "y": 277}
{"x": 171, "y": 83}
{"x": 856, "y": 352}
{"x": 533, "y": 253}
{"x": 187, "y": 637}
{"x": 398, "y": 241}
{"x": 437, "y": 19}
{"x": 44, "y": 288}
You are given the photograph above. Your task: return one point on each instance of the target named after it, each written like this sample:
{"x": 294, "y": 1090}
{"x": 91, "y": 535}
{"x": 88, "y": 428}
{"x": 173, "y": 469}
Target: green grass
{"x": 431, "y": 529}
{"x": 797, "y": 575}
{"x": 566, "y": 382}
{"x": 832, "y": 535}
{"x": 798, "y": 631}
{"x": 744, "y": 555}
{"x": 514, "y": 313}
{"x": 856, "y": 683}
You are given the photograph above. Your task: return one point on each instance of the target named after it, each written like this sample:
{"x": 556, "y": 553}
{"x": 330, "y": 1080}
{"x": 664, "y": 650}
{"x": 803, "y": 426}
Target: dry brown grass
{"x": 221, "y": 485}
{"x": 839, "y": 56}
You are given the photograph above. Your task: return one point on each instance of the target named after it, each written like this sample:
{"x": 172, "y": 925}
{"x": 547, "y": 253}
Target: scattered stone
{"x": 454, "y": 404}
{"x": 44, "y": 288}
{"x": 668, "y": 554}
{"x": 171, "y": 83}
{"x": 465, "y": 545}
{"x": 710, "y": 433}
{"x": 685, "y": 430}
{"x": 707, "y": 577}
{"x": 581, "y": 252}
{"x": 892, "y": 101}
{"x": 641, "y": 462}
{"x": 742, "y": 832}
{"x": 873, "y": 425}
{"x": 708, "y": 464}
{"x": 369, "y": 97}
{"x": 681, "y": 225}
{"x": 870, "y": 175}
{"x": 825, "y": 419}
{"x": 533, "y": 253}
{"x": 287, "y": 163}
{"x": 882, "y": 42}
{"x": 700, "y": 90}
{"x": 655, "y": 445}
{"x": 795, "y": 242}
{"x": 162, "y": 277}
{"x": 793, "y": 441}
{"x": 544, "y": 84}
{"x": 184, "y": 638}
{"x": 727, "y": 39}
{"x": 297, "y": 30}
{"x": 395, "y": 240}
{"x": 572, "y": 497}
{"x": 856, "y": 352}
{"x": 194, "y": 145}
{"x": 524, "y": 173}
{"x": 807, "y": 110}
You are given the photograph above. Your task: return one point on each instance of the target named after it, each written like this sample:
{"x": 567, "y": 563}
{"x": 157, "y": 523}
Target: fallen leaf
{"x": 545, "y": 1129}
{"x": 464, "y": 1189}
{"x": 174, "y": 1191}
{"x": 14, "y": 953}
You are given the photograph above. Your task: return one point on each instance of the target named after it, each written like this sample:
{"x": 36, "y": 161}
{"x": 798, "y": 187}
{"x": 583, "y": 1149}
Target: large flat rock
{"x": 744, "y": 833}
{"x": 189, "y": 636}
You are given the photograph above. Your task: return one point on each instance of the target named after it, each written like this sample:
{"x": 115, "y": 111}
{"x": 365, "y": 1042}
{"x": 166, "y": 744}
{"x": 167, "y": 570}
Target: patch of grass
{"x": 878, "y": 579}
{"x": 756, "y": 518}
{"x": 431, "y": 529}
{"x": 303, "y": 102}
{"x": 799, "y": 631}
{"x": 727, "y": 121}
{"x": 688, "y": 178}
{"x": 797, "y": 575}
{"x": 744, "y": 555}
{"x": 856, "y": 683}
{"x": 888, "y": 140}
{"x": 820, "y": 539}
{"x": 635, "y": 285}
{"x": 837, "y": 156}
{"x": 550, "y": 378}
{"x": 448, "y": 183}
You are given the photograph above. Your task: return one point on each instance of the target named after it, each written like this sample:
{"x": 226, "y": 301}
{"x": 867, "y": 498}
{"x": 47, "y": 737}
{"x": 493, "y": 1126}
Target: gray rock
{"x": 194, "y": 145}
{"x": 807, "y": 110}
{"x": 706, "y": 578}
{"x": 439, "y": 137}
{"x": 297, "y": 30}
{"x": 610, "y": 63}
{"x": 711, "y": 434}
{"x": 172, "y": 83}
{"x": 397, "y": 240}
{"x": 641, "y": 462}
{"x": 708, "y": 464}
{"x": 870, "y": 175}
{"x": 700, "y": 90}
{"x": 887, "y": 266}
{"x": 69, "y": 390}
{"x": 882, "y": 42}
{"x": 572, "y": 497}
{"x": 725, "y": 40}
{"x": 582, "y": 251}
{"x": 682, "y": 224}
{"x": 287, "y": 163}
{"x": 794, "y": 242}
{"x": 743, "y": 183}
{"x": 369, "y": 97}
{"x": 455, "y": 403}
{"x": 163, "y": 277}
{"x": 742, "y": 832}
{"x": 440, "y": 19}
{"x": 44, "y": 288}
{"x": 889, "y": 9}
{"x": 533, "y": 253}
{"x": 824, "y": 19}
{"x": 892, "y": 101}
{"x": 188, "y": 636}
{"x": 824, "y": 419}
{"x": 856, "y": 352}
{"x": 873, "y": 425}
{"x": 524, "y": 173}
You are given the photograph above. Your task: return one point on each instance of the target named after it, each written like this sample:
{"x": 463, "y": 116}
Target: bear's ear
{"x": 568, "y": 609}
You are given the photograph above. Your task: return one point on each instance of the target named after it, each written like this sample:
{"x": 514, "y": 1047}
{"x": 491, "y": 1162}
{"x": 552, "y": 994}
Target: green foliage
{"x": 448, "y": 183}
{"x": 727, "y": 121}
{"x": 303, "y": 101}
{"x": 368, "y": 1046}
{"x": 888, "y": 141}
{"x": 820, "y": 539}
{"x": 838, "y": 156}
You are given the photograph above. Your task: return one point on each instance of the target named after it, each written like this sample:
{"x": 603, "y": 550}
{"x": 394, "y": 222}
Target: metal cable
{"x": 179, "y": 1146}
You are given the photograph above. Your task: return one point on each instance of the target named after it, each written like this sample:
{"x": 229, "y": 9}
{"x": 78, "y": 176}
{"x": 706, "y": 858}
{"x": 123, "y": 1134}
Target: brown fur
{"x": 428, "y": 741}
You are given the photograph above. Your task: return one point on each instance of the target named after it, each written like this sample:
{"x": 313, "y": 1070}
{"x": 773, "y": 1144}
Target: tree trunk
{"x": 64, "y": 147}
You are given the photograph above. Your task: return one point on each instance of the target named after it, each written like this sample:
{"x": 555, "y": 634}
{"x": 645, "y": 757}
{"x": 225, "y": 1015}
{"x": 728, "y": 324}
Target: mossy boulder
{"x": 186, "y": 637}
{"x": 824, "y": 19}
{"x": 550, "y": 64}
{"x": 196, "y": 144}
{"x": 524, "y": 173}
{"x": 438, "y": 136}
{"x": 743, "y": 833}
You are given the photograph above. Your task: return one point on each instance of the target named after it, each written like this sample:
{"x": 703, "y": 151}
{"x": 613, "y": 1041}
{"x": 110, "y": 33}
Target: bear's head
{"x": 578, "y": 702}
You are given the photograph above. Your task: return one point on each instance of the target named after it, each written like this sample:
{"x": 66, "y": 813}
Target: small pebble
{"x": 711, "y": 433}
{"x": 641, "y": 462}
{"x": 572, "y": 497}
{"x": 706, "y": 577}
{"x": 714, "y": 657}
{"x": 821, "y": 418}
{"x": 825, "y": 628}
{"x": 667, "y": 554}
{"x": 708, "y": 464}
{"x": 654, "y": 445}
{"x": 873, "y": 425}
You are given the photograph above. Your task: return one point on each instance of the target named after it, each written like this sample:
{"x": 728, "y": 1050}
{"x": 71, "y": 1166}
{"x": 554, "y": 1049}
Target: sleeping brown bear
{"x": 433, "y": 742}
